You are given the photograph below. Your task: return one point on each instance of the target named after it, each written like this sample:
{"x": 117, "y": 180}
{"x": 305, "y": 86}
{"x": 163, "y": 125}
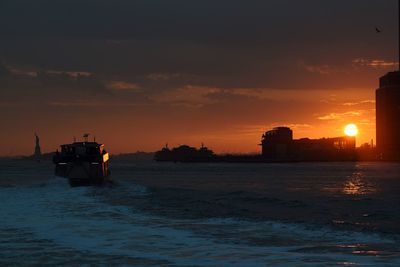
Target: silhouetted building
{"x": 276, "y": 143}
{"x": 279, "y": 145}
{"x": 38, "y": 152}
{"x": 366, "y": 152}
{"x": 388, "y": 117}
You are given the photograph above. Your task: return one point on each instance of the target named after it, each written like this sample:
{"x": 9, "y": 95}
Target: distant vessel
{"x": 83, "y": 163}
{"x": 185, "y": 153}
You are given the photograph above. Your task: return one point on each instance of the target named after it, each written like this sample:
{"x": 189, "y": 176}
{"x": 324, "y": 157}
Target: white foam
{"x": 76, "y": 218}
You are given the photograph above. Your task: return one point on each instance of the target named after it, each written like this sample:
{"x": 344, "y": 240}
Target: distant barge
{"x": 185, "y": 153}
{"x": 83, "y": 163}
{"x": 278, "y": 146}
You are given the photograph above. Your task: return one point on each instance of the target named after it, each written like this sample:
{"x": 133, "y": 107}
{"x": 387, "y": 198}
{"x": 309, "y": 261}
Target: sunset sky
{"x": 139, "y": 74}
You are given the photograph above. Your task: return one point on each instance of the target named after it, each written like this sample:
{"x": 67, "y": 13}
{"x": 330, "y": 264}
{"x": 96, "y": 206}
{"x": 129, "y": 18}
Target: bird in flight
{"x": 377, "y": 30}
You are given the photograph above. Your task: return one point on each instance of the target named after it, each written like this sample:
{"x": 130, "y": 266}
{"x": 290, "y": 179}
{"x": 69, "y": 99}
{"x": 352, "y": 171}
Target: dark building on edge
{"x": 279, "y": 145}
{"x": 388, "y": 117}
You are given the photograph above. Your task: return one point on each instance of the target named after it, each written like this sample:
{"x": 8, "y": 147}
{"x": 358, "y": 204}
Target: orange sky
{"x": 218, "y": 72}
{"x": 233, "y": 126}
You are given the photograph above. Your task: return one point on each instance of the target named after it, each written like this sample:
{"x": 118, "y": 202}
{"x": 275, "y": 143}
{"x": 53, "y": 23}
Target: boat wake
{"x": 78, "y": 225}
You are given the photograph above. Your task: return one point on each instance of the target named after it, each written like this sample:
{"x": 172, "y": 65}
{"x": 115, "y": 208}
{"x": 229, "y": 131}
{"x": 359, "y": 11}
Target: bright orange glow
{"x": 351, "y": 130}
{"x": 236, "y": 125}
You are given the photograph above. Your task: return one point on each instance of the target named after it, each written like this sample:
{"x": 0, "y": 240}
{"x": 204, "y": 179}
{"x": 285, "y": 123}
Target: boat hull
{"x": 84, "y": 173}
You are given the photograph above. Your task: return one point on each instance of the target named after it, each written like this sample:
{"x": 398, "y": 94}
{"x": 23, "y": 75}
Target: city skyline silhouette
{"x": 187, "y": 73}
{"x": 200, "y": 133}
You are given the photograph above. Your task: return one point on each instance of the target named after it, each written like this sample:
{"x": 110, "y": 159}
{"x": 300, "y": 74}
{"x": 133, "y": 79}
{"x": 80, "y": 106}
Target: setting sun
{"x": 351, "y": 130}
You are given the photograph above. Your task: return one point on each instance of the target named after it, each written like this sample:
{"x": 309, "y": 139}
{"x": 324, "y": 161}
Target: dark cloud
{"x": 88, "y": 61}
{"x": 44, "y": 86}
{"x": 227, "y": 44}
{"x": 204, "y": 20}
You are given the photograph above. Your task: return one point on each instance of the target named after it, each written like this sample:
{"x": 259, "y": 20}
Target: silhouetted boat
{"x": 185, "y": 153}
{"x": 83, "y": 163}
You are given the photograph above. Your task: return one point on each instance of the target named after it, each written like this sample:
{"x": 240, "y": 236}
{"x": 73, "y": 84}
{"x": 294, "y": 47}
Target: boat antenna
{"x": 86, "y": 137}
{"x": 74, "y": 139}
{"x": 94, "y": 138}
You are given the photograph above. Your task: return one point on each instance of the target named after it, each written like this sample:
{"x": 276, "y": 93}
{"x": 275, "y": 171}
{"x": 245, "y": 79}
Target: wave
{"x": 81, "y": 220}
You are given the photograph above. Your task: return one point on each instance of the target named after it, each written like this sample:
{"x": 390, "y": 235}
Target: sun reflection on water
{"x": 356, "y": 184}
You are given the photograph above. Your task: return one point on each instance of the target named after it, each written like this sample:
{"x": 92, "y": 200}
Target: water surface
{"x": 314, "y": 214}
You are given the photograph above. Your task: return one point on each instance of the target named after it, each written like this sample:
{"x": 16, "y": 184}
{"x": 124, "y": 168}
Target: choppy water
{"x": 322, "y": 214}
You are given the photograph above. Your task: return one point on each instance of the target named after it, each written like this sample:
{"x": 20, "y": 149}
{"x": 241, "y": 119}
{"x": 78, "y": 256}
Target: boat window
{"x": 92, "y": 151}
{"x": 80, "y": 150}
